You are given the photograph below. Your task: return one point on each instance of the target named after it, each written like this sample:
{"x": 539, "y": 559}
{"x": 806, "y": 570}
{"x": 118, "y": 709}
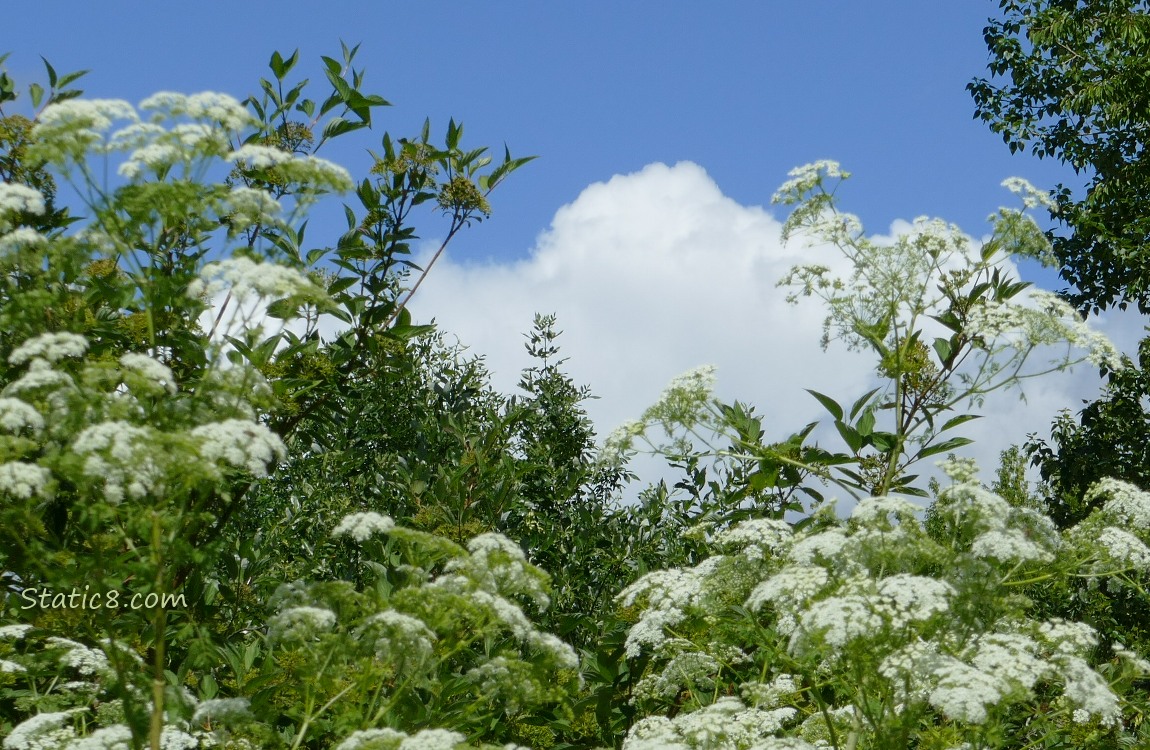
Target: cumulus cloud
{"x": 656, "y": 272}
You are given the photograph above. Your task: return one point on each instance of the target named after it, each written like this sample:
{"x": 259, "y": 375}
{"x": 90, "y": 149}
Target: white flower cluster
{"x": 805, "y": 178}
{"x": 401, "y": 639}
{"x": 726, "y": 724}
{"x": 218, "y": 109}
{"x": 756, "y": 538}
{"x": 66, "y": 131}
{"x": 24, "y": 480}
{"x": 392, "y": 739}
{"x": 308, "y": 170}
{"x": 245, "y": 207}
{"x": 243, "y": 445}
{"x": 243, "y": 277}
{"x": 147, "y": 374}
{"x": 19, "y": 239}
{"x": 1031, "y": 196}
{"x": 43, "y": 732}
{"x": 361, "y": 526}
{"x": 300, "y": 624}
{"x": 16, "y": 416}
{"x": 684, "y": 398}
{"x": 16, "y": 198}
{"x": 1125, "y": 502}
{"x": 666, "y": 596}
{"x": 1044, "y": 319}
{"x": 49, "y": 348}
{"x": 498, "y": 565}
{"x": 86, "y": 661}
{"x": 119, "y": 453}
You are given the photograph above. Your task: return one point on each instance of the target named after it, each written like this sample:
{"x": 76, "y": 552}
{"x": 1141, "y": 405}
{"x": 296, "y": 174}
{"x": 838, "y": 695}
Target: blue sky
{"x": 747, "y": 90}
{"x": 662, "y": 130}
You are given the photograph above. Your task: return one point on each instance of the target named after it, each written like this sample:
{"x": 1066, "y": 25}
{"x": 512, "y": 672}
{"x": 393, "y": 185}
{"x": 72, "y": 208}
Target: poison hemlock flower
{"x": 375, "y": 739}
{"x": 360, "y": 526}
{"x": 1125, "y": 502}
{"x": 243, "y": 277}
{"x": 16, "y": 416}
{"x": 49, "y": 347}
{"x": 243, "y": 445}
{"x": 222, "y": 710}
{"x": 156, "y": 376}
{"x": 757, "y": 538}
{"x": 401, "y": 639}
{"x": 300, "y": 624}
{"x": 24, "y": 480}
{"x": 17, "y": 198}
{"x": 42, "y": 731}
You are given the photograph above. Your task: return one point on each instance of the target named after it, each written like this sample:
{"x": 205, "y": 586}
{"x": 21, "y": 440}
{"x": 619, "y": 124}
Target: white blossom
{"x": 873, "y": 511}
{"x": 50, "y": 347}
{"x": 243, "y": 277}
{"x": 1009, "y": 545}
{"x": 87, "y": 661}
{"x": 360, "y": 526}
{"x": 17, "y": 416}
{"x": 805, "y": 178}
{"x": 42, "y": 732}
{"x": 19, "y": 239}
{"x": 826, "y": 544}
{"x": 150, "y": 370}
{"x": 838, "y": 620}
{"x": 962, "y": 692}
{"x": 115, "y": 737}
{"x": 241, "y": 444}
{"x": 399, "y": 638}
{"x": 432, "y": 739}
{"x": 24, "y": 480}
{"x": 1088, "y": 690}
{"x": 224, "y": 710}
{"x": 375, "y": 738}
{"x": 1068, "y": 638}
{"x": 757, "y": 537}
{"x": 790, "y": 588}
{"x": 11, "y": 666}
{"x": 498, "y": 565}
{"x": 903, "y": 599}
{"x": 308, "y": 169}
{"x": 218, "y": 108}
{"x": 300, "y": 624}
{"x": 17, "y": 198}
{"x": 15, "y": 632}
{"x": 1124, "y": 548}
{"x": 1031, "y": 196}
{"x": 1125, "y": 502}
{"x": 68, "y": 130}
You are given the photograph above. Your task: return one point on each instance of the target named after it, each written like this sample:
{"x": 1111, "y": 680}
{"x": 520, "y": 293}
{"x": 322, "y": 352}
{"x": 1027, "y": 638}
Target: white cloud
{"x": 656, "y": 272}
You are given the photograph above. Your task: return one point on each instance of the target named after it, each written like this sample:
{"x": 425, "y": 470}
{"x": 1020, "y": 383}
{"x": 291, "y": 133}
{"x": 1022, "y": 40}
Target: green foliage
{"x": 872, "y": 633}
{"x": 1073, "y": 87}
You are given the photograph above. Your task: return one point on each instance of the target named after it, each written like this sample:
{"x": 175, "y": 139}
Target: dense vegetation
{"x": 245, "y": 502}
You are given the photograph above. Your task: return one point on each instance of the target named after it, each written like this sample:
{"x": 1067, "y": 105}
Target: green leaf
{"x": 944, "y": 447}
{"x": 277, "y": 65}
{"x": 851, "y": 436}
{"x": 943, "y": 349}
{"x": 858, "y": 405}
{"x": 960, "y": 419}
{"x": 36, "y": 91}
{"x": 865, "y": 423}
{"x": 828, "y": 403}
{"x": 51, "y": 72}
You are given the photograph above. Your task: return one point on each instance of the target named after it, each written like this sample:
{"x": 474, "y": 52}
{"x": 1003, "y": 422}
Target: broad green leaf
{"x": 828, "y": 403}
